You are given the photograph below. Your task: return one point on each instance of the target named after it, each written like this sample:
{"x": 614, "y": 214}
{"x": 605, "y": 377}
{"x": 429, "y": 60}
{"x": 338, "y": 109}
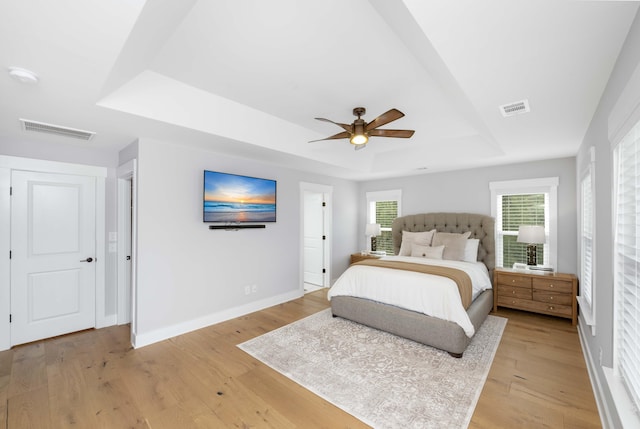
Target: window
{"x": 627, "y": 262}
{"x": 383, "y": 207}
{"x": 524, "y": 202}
{"x": 587, "y": 239}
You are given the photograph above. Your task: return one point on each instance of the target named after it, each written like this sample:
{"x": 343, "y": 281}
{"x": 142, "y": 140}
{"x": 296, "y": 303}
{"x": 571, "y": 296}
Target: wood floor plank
{"x": 28, "y": 369}
{"x": 29, "y": 410}
{"x": 200, "y": 380}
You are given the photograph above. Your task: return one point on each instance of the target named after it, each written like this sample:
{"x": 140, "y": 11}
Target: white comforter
{"x": 408, "y": 289}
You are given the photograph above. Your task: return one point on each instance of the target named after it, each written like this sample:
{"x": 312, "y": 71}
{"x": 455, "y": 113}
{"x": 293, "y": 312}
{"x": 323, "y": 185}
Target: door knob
{"x": 87, "y": 260}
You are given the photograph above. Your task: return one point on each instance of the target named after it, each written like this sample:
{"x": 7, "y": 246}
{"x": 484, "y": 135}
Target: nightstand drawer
{"x": 553, "y": 285}
{"x": 536, "y": 291}
{"x": 539, "y": 307}
{"x": 514, "y": 280}
{"x": 551, "y": 297}
{"x": 509, "y": 291}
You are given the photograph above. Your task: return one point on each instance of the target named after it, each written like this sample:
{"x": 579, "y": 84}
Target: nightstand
{"x": 539, "y": 292}
{"x": 357, "y": 257}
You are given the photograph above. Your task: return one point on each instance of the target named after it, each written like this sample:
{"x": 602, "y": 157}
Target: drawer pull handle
{"x": 551, "y": 298}
{"x": 513, "y": 292}
{"x": 551, "y": 285}
{"x": 513, "y": 280}
{"x": 551, "y": 307}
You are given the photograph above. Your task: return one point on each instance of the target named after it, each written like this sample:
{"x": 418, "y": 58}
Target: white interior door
{"x": 53, "y": 245}
{"x": 313, "y": 238}
{"x": 126, "y": 305}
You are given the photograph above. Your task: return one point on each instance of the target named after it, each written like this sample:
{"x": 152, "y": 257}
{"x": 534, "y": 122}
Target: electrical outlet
{"x": 247, "y": 289}
{"x": 254, "y": 288}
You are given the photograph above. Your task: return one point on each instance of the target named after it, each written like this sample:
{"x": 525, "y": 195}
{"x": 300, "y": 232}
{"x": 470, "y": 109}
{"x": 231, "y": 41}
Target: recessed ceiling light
{"x": 23, "y": 75}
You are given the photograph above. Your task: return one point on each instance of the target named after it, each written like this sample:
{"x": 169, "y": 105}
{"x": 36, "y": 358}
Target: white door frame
{"x": 8, "y": 163}
{"x": 328, "y": 199}
{"x": 127, "y": 177}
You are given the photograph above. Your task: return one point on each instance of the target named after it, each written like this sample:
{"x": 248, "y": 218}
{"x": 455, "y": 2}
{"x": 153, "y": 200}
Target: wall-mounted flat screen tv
{"x": 237, "y": 199}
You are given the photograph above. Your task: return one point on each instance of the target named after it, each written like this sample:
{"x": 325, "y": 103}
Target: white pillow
{"x": 454, "y": 244}
{"x": 471, "y": 250}
{"x": 422, "y": 238}
{"x": 427, "y": 251}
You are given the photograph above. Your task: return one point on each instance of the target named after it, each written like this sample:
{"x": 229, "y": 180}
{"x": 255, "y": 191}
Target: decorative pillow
{"x": 427, "y": 251}
{"x": 454, "y": 244}
{"x": 422, "y": 238}
{"x": 471, "y": 250}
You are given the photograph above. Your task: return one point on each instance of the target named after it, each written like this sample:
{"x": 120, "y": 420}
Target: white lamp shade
{"x": 531, "y": 234}
{"x": 373, "y": 229}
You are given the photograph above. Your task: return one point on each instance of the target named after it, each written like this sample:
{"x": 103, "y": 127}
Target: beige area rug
{"x": 384, "y": 380}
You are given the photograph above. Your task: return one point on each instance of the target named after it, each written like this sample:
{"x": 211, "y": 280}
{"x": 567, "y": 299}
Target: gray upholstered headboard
{"x": 481, "y": 227}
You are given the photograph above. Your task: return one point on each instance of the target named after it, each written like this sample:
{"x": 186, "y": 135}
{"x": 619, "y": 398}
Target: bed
{"x": 433, "y": 330}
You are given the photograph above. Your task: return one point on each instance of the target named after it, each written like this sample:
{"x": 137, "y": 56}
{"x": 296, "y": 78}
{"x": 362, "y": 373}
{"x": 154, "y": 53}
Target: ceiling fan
{"x": 359, "y": 131}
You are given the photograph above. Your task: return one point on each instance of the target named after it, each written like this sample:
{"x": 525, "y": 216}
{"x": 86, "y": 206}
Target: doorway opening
{"x": 315, "y": 236}
{"x": 127, "y": 246}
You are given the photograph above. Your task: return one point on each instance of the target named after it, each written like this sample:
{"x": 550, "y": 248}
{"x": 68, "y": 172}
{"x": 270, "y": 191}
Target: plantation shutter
{"x": 627, "y": 262}
{"x": 586, "y": 287}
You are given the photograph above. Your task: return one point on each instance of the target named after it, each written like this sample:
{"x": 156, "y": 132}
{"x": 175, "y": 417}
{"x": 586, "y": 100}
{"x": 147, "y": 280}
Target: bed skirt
{"x": 415, "y": 326}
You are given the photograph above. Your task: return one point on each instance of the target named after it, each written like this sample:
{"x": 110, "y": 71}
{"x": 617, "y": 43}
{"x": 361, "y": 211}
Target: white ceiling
{"x": 248, "y": 77}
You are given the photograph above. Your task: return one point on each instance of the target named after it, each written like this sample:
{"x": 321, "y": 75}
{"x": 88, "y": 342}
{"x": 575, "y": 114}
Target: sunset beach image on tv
{"x": 234, "y": 198}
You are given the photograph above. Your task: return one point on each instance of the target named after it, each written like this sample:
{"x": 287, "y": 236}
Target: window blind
{"x": 627, "y": 262}
{"x": 586, "y": 280}
{"x": 515, "y": 210}
{"x": 386, "y": 212}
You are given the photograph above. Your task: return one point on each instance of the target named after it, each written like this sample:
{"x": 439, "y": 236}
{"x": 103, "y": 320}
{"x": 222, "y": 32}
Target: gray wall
{"x": 597, "y": 136}
{"x": 468, "y": 191}
{"x": 188, "y": 275}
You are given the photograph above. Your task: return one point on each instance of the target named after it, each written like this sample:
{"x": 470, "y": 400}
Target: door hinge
{"x": 324, "y": 271}
{"x": 9, "y": 318}
{"x": 9, "y": 254}
{"x": 324, "y": 204}
{"x": 324, "y": 237}
{"x": 10, "y": 190}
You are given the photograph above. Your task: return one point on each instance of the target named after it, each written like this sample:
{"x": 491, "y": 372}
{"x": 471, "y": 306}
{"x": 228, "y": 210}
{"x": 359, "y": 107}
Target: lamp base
{"x": 374, "y": 244}
{"x": 532, "y": 255}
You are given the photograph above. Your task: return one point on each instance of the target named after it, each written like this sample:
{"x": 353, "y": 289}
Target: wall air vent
{"x": 41, "y": 127}
{"x": 515, "y": 108}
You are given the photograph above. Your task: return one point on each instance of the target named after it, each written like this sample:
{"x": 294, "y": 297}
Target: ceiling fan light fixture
{"x": 359, "y": 139}
{"x": 359, "y": 136}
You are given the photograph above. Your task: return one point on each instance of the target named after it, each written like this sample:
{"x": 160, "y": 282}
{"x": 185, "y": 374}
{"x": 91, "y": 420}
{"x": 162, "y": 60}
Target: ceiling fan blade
{"x": 403, "y": 134}
{"x": 342, "y": 135}
{"x": 346, "y": 127}
{"x": 360, "y": 146}
{"x": 385, "y": 118}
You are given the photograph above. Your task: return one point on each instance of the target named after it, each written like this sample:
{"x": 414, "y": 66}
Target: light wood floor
{"x": 93, "y": 379}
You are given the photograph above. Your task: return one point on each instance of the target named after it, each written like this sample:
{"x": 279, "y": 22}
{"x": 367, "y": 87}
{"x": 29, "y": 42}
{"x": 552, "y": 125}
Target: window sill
{"x": 587, "y": 314}
{"x": 627, "y": 412}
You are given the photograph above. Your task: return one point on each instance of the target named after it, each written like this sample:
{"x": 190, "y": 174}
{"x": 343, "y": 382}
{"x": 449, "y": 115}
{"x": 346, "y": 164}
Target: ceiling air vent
{"x": 515, "y": 108}
{"x": 41, "y": 127}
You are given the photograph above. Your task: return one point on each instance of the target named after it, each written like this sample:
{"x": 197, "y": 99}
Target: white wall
{"x": 189, "y": 276}
{"x": 468, "y": 191}
{"x": 598, "y": 136}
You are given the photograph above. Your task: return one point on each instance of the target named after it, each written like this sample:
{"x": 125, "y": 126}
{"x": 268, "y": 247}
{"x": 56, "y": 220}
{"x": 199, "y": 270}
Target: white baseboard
{"x": 596, "y": 383}
{"x": 144, "y": 339}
